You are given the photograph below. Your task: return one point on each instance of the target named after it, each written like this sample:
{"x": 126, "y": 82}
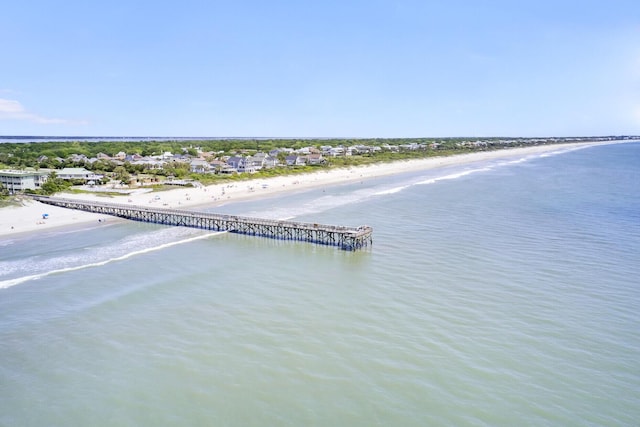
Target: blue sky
{"x": 320, "y": 69}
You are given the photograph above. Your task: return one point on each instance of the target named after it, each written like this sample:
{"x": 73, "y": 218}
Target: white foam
{"x": 563, "y": 151}
{"x": 18, "y": 280}
{"x": 391, "y": 190}
{"x": 321, "y": 204}
{"x": 452, "y": 176}
{"x": 515, "y": 162}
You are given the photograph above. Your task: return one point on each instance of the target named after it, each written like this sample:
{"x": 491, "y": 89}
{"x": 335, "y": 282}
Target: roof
{"x": 73, "y": 170}
{"x": 12, "y": 172}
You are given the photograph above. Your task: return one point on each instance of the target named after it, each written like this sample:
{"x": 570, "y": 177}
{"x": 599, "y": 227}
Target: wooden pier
{"x": 346, "y": 238}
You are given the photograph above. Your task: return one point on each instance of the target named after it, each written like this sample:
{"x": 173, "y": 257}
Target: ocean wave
{"x": 392, "y": 190}
{"x": 16, "y": 281}
{"x": 515, "y": 162}
{"x": 460, "y": 174}
{"x": 564, "y": 150}
{"x": 453, "y": 176}
{"x": 433, "y": 180}
{"x": 313, "y": 206}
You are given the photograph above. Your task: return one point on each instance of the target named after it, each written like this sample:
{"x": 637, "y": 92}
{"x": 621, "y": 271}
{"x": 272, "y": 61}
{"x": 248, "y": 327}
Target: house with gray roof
{"x": 241, "y": 164}
{"x": 199, "y": 166}
{"x": 78, "y": 174}
{"x": 296, "y": 160}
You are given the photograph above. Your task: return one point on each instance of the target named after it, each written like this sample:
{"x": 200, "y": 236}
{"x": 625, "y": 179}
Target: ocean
{"x": 498, "y": 293}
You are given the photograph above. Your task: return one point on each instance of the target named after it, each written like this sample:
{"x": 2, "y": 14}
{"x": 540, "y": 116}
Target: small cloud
{"x": 14, "y": 110}
{"x": 8, "y": 106}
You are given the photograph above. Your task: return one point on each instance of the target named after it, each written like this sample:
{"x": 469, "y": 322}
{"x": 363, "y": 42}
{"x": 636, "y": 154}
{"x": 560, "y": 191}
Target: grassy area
{"x": 11, "y": 201}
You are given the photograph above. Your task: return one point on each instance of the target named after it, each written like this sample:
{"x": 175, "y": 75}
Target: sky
{"x": 352, "y": 69}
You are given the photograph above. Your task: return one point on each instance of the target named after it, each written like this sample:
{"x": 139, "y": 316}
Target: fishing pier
{"x": 346, "y": 238}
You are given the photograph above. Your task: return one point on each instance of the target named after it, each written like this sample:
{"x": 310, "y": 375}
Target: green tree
{"x": 54, "y": 185}
{"x": 4, "y": 192}
{"x": 121, "y": 175}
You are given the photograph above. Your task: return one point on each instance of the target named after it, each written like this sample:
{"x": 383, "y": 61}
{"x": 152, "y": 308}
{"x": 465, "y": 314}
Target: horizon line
{"x": 52, "y": 137}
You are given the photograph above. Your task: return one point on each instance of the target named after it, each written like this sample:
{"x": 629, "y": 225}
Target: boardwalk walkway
{"x": 346, "y": 238}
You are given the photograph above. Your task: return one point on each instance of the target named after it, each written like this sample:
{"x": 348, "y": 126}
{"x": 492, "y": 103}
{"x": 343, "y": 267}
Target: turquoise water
{"x": 501, "y": 293}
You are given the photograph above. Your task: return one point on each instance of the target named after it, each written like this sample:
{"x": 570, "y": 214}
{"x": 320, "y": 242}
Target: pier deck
{"x": 346, "y": 238}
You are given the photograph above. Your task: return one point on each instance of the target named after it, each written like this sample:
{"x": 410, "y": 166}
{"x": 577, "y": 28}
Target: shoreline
{"x": 28, "y": 218}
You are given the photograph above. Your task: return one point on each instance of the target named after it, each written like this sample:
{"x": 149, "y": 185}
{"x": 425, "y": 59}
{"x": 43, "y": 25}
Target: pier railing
{"x": 347, "y": 238}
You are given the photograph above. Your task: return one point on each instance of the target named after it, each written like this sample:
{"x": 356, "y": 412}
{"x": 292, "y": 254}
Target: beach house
{"x": 20, "y": 180}
{"x": 294, "y": 160}
{"x": 241, "y": 164}
{"x": 199, "y": 166}
{"x": 78, "y": 174}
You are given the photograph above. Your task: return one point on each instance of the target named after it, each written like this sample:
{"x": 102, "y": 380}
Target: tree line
{"x": 58, "y": 154}
{"x": 27, "y": 154}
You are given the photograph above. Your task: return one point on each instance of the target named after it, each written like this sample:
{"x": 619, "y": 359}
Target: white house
{"x": 296, "y": 160}
{"x": 200, "y": 166}
{"x": 271, "y": 162}
{"x": 240, "y": 164}
{"x": 78, "y": 174}
{"x": 16, "y": 180}
{"x": 257, "y": 160}
{"x": 336, "y": 151}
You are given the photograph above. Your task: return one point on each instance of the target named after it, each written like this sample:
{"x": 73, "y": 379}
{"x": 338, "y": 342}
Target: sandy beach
{"x": 29, "y": 216}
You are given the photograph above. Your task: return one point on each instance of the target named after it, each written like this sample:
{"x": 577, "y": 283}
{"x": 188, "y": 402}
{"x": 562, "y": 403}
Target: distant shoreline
{"x": 15, "y": 221}
{"x": 56, "y": 138}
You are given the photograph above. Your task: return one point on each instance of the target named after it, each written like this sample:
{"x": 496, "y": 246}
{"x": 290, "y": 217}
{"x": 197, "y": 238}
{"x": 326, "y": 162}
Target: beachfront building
{"x": 262, "y": 161}
{"x": 218, "y": 166}
{"x": 16, "y": 181}
{"x": 78, "y": 174}
{"x": 241, "y": 164}
{"x": 336, "y": 151}
{"x": 271, "y": 162}
{"x": 199, "y": 166}
{"x": 295, "y": 160}
{"x": 315, "y": 159}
